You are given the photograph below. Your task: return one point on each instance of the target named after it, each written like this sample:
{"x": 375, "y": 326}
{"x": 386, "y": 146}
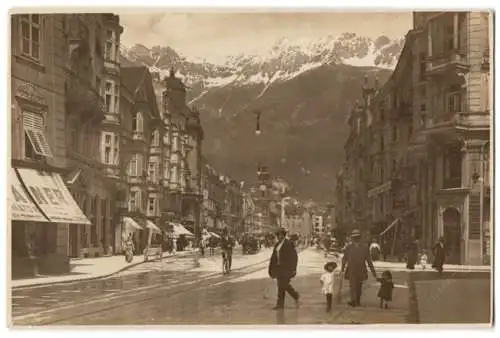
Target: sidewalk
{"x": 90, "y": 268}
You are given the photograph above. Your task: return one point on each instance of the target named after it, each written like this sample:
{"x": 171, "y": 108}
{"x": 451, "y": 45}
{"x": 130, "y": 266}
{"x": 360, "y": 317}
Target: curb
{"x": 86, "y": 279}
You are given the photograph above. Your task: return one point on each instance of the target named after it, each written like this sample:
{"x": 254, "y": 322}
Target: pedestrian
{"x": 386, "y": 288}
{"x": 327, "y": 283}
{"x": 412, "y": 255}
{"x": 439, "y": 255}
{"x": 283, "y": 267}
{"x": 374, "y": 250}
{"x": 356, "y": 257}
{"x": 423, "y": 260}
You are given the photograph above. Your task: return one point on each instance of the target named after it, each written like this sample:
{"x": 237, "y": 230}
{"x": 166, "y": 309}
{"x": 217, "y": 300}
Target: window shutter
{"x": 34, "y": 128}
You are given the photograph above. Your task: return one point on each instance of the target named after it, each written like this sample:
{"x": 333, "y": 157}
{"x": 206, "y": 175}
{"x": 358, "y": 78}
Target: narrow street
{"x": 178, "y": 293}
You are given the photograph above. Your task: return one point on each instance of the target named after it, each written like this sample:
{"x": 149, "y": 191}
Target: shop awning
{"x": 52, "y": 196}
{"x": 21, "y": 205}
{"x": 213, "y": 234}
{"x": 131, "y": 224}
{"x": 179, "y": 229}
{"x": 390, "y": 226}
{"x": 153, "y": 227}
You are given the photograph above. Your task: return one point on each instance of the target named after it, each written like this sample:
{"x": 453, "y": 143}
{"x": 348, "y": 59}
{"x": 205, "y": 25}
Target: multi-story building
{"x": 213, "y": 198}
{"x": 318, "y": 225}
{"x": 429, "y": 130}
{"x": 233, "y": 206}
{"x": 249, "y": 214}
{"x": 453, "y": 82}
{"x": 57, "y": 71}
{"x": 141, "y": 149}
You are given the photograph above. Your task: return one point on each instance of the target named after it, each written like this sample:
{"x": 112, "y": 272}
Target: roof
{"x": 136, "y": 77}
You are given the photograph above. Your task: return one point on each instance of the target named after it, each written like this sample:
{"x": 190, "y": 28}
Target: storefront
{"x": 42, "y": 209}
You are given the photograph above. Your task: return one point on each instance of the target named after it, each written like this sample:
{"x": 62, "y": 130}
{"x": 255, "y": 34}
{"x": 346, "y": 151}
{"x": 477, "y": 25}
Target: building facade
{"x": 61, "y": 197}
{"x": 428, "y": 129}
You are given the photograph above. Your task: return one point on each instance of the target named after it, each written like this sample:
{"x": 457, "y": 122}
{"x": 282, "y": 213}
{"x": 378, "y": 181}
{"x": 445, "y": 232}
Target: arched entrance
{"x": 452, "y": 235}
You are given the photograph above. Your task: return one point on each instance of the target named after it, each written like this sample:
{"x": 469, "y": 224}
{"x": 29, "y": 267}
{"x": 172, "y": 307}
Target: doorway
{"x": 452, "y": 235}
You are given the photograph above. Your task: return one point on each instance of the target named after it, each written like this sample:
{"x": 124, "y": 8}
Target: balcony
{"x": 453, "y": 61}
{"x": 111, "y": 171}
{"x": 111, "y": 118}
{"x": 155, "y": 150}
{"x": 451, "y": 122}
{"x": 452, "y": 183}
{"x": 138, "y": 136}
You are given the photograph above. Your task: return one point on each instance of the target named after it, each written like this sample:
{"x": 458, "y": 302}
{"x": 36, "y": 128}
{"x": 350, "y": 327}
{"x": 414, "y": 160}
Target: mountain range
{"x": 304, "y": 90}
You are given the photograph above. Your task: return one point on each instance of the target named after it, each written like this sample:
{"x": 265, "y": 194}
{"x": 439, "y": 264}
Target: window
{"x": 394, "y": 133}
{"x": 152, "y": 169}
{"x": 35, "y": 140}
{"x": 173, "y": 174}
{"x": 410, "y": 131}
{"x": 454, "y": 103}
{"x": 175, "y": 142}
{"x": 111, "y": 97}
{"x": 156, "y": 139}
{"x": 134, "y": 201}
{"x": 151, "y": 206}
{"x": 137, "y": 123}
{"x": 111, "y": 48}
{"x": 30, "y": 34}
{"x": 166, "y": 169}
{"x": 109, "y": 148}
{"x": 135, "y": 165}
{"x": 382, "y": 142}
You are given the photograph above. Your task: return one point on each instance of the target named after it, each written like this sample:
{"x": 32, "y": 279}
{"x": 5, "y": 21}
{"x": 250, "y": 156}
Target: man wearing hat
{"x": 356, "y": 256}
{"x": 283, "y": 267}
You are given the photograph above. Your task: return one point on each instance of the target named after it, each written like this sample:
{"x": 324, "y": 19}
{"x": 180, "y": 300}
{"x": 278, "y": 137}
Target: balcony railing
{"x": 452, "y": 182}
{"x": 454, "y": 59}
{"x": 138, "y": 135}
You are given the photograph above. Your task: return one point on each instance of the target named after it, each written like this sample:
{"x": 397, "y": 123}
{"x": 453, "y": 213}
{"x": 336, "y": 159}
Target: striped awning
{"x": 131, "y": 224}
{"x": 152, "y": 226}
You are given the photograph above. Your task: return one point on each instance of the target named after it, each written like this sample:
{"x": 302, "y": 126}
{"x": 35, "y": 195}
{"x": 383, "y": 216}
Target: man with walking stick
{"x": 356, "y": 256}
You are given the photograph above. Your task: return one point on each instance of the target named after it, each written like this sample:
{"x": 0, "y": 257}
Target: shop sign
{"x": 22, "y": 208}
{"x": 52, "y": 196}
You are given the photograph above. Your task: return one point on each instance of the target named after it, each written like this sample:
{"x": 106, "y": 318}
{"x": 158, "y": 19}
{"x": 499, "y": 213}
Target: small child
{"x": 386, "y": 288}
{"x": 327, "y": 283}
{"x": 423, "y": 260}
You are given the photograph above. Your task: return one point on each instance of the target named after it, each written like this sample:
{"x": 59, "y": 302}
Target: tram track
{"x": 101, "y": 304}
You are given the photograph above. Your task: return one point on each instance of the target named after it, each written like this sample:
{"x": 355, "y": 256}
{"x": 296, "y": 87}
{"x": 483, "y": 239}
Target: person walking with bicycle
{"x": 226, "y": 245}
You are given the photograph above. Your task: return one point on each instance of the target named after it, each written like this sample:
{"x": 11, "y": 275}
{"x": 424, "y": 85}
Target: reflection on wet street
{"x": 183, "y": 296}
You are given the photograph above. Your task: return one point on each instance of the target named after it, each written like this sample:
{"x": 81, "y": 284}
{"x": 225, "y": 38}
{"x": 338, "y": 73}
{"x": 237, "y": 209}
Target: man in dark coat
{"x": 283, "y": 267}
{"x": 356, "y": 256}
{"x": 439, "y": 255}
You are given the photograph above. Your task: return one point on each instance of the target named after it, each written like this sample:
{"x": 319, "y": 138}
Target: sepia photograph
{"x": 245, "y": 167}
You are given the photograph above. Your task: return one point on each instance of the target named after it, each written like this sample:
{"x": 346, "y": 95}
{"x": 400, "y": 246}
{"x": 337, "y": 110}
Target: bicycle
{"x": 226, "y": 268}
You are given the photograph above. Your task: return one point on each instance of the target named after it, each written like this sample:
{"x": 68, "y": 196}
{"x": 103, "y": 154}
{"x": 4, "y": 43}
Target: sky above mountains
{"x": 216, "y": 35}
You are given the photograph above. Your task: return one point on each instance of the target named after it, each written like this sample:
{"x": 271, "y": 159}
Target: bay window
{"x": 30, "y": 35}
{"x": 109, "y": 148}
{"x": 111, "y": 97}
{"x": 112, "y": 47}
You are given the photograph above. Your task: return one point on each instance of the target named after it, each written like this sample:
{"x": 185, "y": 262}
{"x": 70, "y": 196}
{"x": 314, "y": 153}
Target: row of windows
{"x": 31, "y": 39}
